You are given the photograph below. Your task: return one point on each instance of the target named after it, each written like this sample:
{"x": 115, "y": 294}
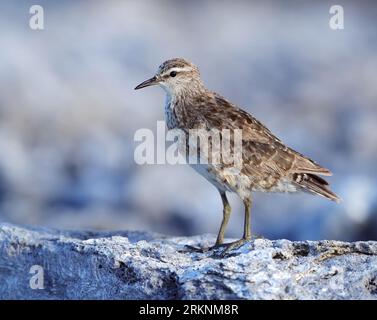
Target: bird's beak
{"x": 150, "y": 82}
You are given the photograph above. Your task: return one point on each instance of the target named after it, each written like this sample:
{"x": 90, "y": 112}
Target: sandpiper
{"x": 268, "y": 165}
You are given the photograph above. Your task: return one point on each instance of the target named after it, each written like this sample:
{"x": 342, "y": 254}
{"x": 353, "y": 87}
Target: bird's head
{"x": 175, "y": 75}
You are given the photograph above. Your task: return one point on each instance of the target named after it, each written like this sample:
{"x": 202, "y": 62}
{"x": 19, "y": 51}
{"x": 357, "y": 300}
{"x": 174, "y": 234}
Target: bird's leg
{"x": 246, "y": 231}
{"x": 220, "y": 237}
{"x": 226, "y": 215}
{"x": 247, "y": 226}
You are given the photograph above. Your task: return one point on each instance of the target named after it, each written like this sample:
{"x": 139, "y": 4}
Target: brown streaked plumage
{"x": 267, "y": 164}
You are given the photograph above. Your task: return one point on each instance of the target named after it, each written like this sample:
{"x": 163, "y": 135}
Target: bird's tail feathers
{"x": 315, "y": 184}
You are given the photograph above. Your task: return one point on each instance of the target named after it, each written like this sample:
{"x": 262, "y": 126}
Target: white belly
{"x": 207, "y": 172}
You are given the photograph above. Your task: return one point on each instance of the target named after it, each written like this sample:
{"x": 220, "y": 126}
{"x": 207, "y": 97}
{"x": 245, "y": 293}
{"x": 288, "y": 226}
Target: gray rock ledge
{"x": 140, "y": 265}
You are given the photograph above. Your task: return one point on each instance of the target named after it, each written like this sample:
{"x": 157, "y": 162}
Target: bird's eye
{"x": 173, "y": 73}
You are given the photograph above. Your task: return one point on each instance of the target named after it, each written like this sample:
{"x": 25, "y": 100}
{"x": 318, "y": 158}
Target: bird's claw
{"x": 226, "y": 247}
{"x": 202, "y": 250}
{"x": 189, "y": 248}
{"x": 233, "y": 246}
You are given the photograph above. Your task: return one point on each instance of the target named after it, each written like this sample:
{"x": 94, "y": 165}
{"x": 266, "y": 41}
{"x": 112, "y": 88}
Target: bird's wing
{"x": 263, "y": 153}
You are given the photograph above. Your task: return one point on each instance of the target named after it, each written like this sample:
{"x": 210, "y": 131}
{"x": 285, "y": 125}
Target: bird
{"x": 268, "y": 165}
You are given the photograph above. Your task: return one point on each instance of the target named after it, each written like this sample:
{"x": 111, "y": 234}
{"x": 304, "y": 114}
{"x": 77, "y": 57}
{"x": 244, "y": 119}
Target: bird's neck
{"x": 178, "y": 102}
{"x": 170, "y": 105}
{"x": 184, "y": 94}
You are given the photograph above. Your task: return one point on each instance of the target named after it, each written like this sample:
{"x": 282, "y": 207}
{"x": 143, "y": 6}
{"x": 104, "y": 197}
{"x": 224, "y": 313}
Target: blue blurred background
{"x": 68, "y": 111}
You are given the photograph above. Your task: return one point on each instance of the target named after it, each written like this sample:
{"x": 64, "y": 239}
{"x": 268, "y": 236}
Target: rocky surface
{"x": 138, "y": 265}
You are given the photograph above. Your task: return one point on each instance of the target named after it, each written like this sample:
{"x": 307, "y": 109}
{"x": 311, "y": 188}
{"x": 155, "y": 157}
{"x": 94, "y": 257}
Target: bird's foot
{"x": 202, "y": 250}
{"x": 190, "y": 249}
{"x": 225, "y": 247}
{"x": 232, "y": 246}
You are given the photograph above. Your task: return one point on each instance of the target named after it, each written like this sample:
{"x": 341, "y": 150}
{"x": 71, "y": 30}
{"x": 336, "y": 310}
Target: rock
{"x": 140, "y": 265}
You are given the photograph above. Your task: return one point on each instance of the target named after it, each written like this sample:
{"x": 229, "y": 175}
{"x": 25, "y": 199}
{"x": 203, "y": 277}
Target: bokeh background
{"x": 68, "y": 111}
